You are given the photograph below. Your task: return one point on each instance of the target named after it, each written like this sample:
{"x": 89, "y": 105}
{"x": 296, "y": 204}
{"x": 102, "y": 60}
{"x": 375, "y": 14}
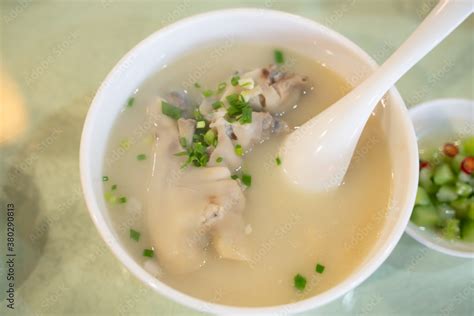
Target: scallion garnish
{"x": 300, "y": 282}
{"x": 278, "y": 55}
{"x": 125, "y": 144}
{"x": 217, "y": 105}
{"x": 246, "y": 179}
{"x": 148, "y": 253}
{"x": 141, "y": 157}
{"x": 234, "y": 177}
{"x": 319, "y": 268}
{"x": 197, "y": 155}
{"x": 181, "y": 153}
{"x": 210, "y": 137}
{"x": 201, "y": 124}
{"x": 114, "y": 187}
{"x": 109, "y": 197}
{"x": 235, "y": 80}
{"x": 170, "y": 110}
{"x": 197, "y": 85}
{"x": 130, "y": 102}
{"x": 239, "y": 109}
{"x": 238, "y": 150}
{"x": 246, "y": 116}
{"x": 221, "y": 87}
{"x": 219, "y": 159}
{"x": 105, "y": 178}
{"x": 183, "y": 142}
{"x": 278, "y": 161}
{"x": 247, "y": 83}
{"x": 134, "y": 234}
{"x": 207, "y": 93}
{"x": 198, "y": 115}
{"x": 122, "y": 199}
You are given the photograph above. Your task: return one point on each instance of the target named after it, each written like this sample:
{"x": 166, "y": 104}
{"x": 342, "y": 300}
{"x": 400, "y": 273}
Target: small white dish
{"x": 273, "y": 28}
{"x": 436, "y": 122}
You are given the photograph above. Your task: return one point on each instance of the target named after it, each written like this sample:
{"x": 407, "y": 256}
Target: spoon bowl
{"x": 317, "y": 155}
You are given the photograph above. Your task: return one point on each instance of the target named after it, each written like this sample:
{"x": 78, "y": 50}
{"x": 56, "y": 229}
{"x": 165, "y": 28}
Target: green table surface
{"x": 58, "y": 52}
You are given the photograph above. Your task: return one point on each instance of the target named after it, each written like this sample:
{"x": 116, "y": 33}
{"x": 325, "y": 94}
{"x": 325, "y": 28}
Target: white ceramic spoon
{"x": 317, "y": 155}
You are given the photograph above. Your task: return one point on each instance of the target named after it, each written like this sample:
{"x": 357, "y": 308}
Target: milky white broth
{"x": 291, "y": 230}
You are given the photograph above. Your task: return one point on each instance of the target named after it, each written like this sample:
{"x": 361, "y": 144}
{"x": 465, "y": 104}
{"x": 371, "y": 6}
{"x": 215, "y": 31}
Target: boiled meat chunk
{"x": 275, "y": 91}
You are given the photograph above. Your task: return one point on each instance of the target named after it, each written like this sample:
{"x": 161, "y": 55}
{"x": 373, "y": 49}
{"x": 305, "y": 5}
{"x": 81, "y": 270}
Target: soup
{"x": 219, "y": 220}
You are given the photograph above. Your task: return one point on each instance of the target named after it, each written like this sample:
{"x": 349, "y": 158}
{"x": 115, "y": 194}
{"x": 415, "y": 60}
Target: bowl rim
{"x": 412, "y": 230}
{"x": 325, "y": 297}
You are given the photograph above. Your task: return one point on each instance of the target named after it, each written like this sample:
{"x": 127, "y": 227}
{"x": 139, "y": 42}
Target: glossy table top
{"x": 54, "y": 54}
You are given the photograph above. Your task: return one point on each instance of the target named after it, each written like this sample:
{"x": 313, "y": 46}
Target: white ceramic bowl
{"x": 436, "y": 122}
{"x": 265, "y": 26}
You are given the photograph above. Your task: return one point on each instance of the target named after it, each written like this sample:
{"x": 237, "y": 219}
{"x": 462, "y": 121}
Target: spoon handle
{"x": 441, "y": 21}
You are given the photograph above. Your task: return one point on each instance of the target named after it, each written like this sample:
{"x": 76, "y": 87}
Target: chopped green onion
{"x": 141, "y": 157}
{"x": 114, "y": 187}
{"x": 319, "y": 268}
{"x": 207, "y": 93}
{"x": 279, "y": 59}
{"x": 197, "y": 155}
{"x": 148, "y": 253}
{"x": 170, "y": 110}
{"x": 210, "y": 137}
{"x": 181, "y": 153}
{"x": 247, "y": 83}
{"x": 125, "y": 144}
{"x": 122, "y": 199}
{"x": 134, "y": 234}
{"x": 105, "y": 178}
{"x": 238, "y": 150}
{"x": 183, "y": 142}
{"x": 217, "y": 105}
{"x": 234, "y": 177}
{"x": 109, "y": 197}
{"x": 278, "y": 161}
{"x": 197, "y": 85}
{"x": 300, "y": 282}
{"x": 219, "y": 159}
{"x": 198, "y": 115}
{"x": 246, "y": 179}
{"x": 221, "y": 87}
{"x": 246, "y": 116}
{"x": 235, "y": 80}
{"x": 238, "y": 109}
{"x": 201, "y": 124}
{"x": 130, "y": 102}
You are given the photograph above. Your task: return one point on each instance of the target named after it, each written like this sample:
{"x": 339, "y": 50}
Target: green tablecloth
{"x": 56, "y": 53}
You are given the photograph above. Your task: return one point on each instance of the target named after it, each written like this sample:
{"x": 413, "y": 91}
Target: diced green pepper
{"x": 467, "y": 230}
{"x": 468, "y": 146}
{"x": 446, "y": 194}
{"x": 426, "y": 180}
{"x": 461, "y": 206}
{"x": 422, "y": 197}
{"x": 446, "y": 211}
{"x": 425, "y": 216}
{"x": 470, "y": 212}
{"x": 456, "y": 163}
{"x": 443, "y": 175}
{"x": 463, "y": 189}
{"x": 451, "y": 230}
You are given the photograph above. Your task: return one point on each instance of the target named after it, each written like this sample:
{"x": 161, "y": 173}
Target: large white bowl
{"x": 444, "y": 120}
{"x": 265, "y": 26}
